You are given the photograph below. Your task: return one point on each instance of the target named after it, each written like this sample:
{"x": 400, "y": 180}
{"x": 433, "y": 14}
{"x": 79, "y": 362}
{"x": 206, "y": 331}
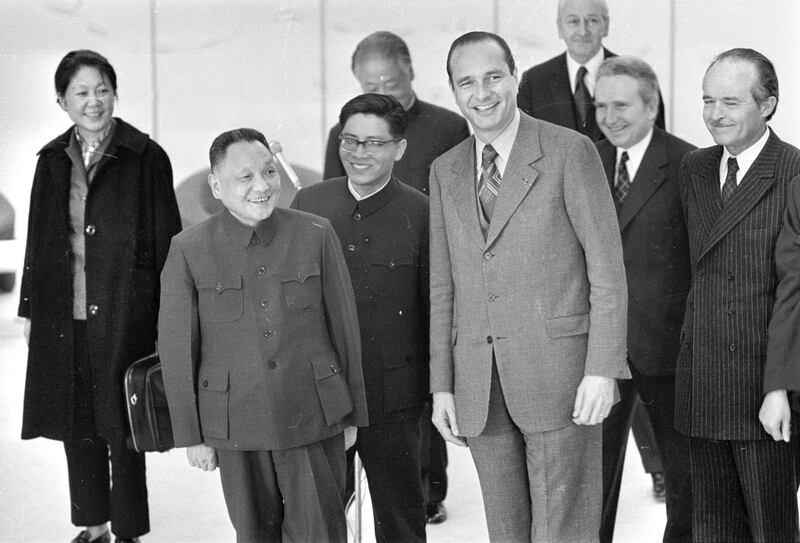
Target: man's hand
{"x": 27, "y": 332}
{"x": 444, "y": 417}
{"x": 775, "y": 415}
{"x": 202, "y": 456}
{"x": 350, "y": 435}
{"x": 593, "y": 400}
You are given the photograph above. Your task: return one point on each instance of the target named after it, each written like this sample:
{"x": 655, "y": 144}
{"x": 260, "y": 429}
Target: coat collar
{"x": 125, "y": 136}
{"x": 243, "y": 234}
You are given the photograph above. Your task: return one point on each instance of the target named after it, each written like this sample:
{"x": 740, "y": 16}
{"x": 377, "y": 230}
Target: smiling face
{"x": 582, "y": 24}
{"x": 247, "y": 182}
{"x": 381, "y": 75}
{"x": 484, "y": 88}
{"x": 89, "y": 102}
{"x": 623, "y": 116}
{"x": 730, "y": 111}
{"x": 368, "y": 166}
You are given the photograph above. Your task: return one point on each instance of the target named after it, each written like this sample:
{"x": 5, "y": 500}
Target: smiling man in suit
{"x": 642, "y": 163}
{"x": 743, "y": 456}
{"x": 528, "y": 304}
{"x": 560, "y": 90}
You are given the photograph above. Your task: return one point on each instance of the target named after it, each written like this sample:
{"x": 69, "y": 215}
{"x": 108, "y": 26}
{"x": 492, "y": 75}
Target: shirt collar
{"x": 502, "y": 144}
{"x": 744, "y": 159}
{"x": 635, "y": 154}
{"x": 377, "y": 199}
{"x": 592, "y": 65}
{"x": 243, "y": 234}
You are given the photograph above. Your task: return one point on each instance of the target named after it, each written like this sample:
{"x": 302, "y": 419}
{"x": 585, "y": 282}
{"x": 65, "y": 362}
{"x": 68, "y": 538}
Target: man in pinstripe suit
{"x": 743, "y": 462}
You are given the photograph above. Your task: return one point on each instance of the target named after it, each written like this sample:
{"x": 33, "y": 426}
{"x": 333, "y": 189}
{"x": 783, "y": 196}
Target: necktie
{"x": 622, "y": 183}
{"x": 730, "y": 180}
{"x": 489, "y": 183}
{"x": 582, "y": 97}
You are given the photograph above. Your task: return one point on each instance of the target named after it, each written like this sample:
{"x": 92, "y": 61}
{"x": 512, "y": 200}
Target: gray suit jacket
{"x": 545, "y": 289}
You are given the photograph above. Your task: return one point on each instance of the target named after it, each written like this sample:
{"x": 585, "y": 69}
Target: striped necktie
{"x": 622, "y": 183}
{"x": 489, "y": 183}
{"x": 730, "y": 180}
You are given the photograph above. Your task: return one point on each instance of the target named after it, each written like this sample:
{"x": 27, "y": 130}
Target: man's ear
{"x": 61, "y": 102}
{"x": 401, "y": 149}
{"x": 213, "y": 183}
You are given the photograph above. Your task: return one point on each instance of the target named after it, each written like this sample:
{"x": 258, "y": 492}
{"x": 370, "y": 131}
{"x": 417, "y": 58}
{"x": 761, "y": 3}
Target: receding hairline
{"x": 599, "y": 3}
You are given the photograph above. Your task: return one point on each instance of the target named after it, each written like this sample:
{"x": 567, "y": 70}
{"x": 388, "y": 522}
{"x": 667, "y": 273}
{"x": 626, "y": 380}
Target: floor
{"x": 186, "y": 504}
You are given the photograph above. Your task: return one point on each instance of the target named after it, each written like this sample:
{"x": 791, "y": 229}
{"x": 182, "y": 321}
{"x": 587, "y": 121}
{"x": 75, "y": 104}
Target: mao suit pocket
{"x": 221, "y": 300}
{"x": 212, "y": 399}
{"x": 392, "y": 269}
{"x": 301, "y": 286}
{"x": 401, "y": 380}
{"x": 332, "y": 389}
{"x": 571, "y": 325}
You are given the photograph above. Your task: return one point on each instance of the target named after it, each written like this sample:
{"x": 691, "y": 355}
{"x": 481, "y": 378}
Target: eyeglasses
{"x": 349, "y": 143}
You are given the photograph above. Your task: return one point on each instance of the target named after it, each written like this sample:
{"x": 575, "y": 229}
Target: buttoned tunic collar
{"x": 243, "y": 234}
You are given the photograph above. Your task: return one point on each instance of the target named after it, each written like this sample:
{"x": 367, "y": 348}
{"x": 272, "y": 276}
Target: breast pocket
{"x": 392, "y": 270}
{"x": 221, "y": 300}
{"x": 301, "y": 286}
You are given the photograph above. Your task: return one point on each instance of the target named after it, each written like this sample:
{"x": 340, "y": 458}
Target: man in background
{"x": 642, "y": 163}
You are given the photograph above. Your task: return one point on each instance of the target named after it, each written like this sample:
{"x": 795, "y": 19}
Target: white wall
{"x": 284, "y": 66}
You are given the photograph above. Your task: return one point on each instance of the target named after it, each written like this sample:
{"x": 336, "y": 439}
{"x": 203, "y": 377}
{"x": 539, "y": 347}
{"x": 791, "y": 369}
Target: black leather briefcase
{"x": 146, "y": 401}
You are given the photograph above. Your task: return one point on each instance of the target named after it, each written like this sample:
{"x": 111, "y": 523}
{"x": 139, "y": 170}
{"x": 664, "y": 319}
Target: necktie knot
{"x": 489, "y": 182}
{"x": 730, "y": 180}
{"x": 733, "y": 166}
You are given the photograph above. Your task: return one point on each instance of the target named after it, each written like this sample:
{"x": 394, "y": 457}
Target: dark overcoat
{"x": 720, "y": 370}
{"x": 131, "y": 215}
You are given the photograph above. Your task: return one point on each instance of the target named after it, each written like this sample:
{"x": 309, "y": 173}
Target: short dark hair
{"x": 383, "y": 106}
{"x": 74, "y": 61}
{"x": 478, "y": 36}
{"x": 383, "y": 43}
{"x": 219, "y": 147}
{"x": 635, "y": 68}
{"x": 767, "y": 76}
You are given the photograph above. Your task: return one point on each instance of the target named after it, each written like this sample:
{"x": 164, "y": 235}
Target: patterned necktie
{"x": 730, "y": 180}
{"x": 622, "y": 183}
{"x": 489, "y": 183}
{"x": 582, "y": 97}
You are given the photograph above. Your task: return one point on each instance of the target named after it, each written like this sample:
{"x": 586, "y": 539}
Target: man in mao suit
{"x": 382, "y": 64}
{"x": 743, "y": 456}
{"x": 553, "y": 91}
{"x": 642, "y": 163}
{"x": 261, "y": 351}
{"x": 383, "y": 228}
{"x": 528, "y": 304}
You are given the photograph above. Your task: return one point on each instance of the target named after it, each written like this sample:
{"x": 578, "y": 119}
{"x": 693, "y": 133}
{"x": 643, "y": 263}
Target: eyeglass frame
{"x": 370, "y": 146}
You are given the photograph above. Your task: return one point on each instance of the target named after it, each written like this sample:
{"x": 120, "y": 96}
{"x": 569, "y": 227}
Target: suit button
{"x": 732, "y": 347}
{"x": 90, "y": 230}
{"x": 93, "y": 309}
{"x": 731, "y": 311}
{"x": 489, "y": 339}
{"x": 264, "y": 302}
{"x": 492, "y": 297}
{"x": 272, "y": 364}
{"x": 366, "y": 240}
{"x": 357, "y": 217}
{"x": 351, "y": 247}
{"x": 731, "y": 276}
{"x": 268, "y": 334}
{"x": 487, "y": 256}
{"x": 205, "y": 384}
{"x": 262, "y": 270}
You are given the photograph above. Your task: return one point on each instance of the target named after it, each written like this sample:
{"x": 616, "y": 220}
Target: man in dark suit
{"x": 383, "y": 227}
{"x": 560, "y": 90}
{"x": 528, "y": 304}
{"x": 743, "y": 460}
{"x": 258, "y": 335}
{"x": 382, "y": 64}
{"x": 642, "y": 163}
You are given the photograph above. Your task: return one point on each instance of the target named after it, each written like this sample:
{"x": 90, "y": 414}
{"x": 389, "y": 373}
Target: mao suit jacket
{"x": 545, "y": 93}
{"x": 258, "y": 334}
{"x": 431, "y": 131}
{"x": 720, "y": 371}
{"x": 544, "y": 289}
{"x": 656, "y": 249}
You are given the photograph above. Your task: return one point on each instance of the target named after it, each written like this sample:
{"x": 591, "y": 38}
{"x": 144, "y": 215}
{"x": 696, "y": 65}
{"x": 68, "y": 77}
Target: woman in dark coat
{"x": 102, "y": 214}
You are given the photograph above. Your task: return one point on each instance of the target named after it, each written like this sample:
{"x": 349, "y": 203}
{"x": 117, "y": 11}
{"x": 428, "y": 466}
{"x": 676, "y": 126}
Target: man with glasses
{"x": 383, "y": 227}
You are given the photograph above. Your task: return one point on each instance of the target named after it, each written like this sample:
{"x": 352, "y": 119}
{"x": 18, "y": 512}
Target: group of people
{"x": 514, "y": 291}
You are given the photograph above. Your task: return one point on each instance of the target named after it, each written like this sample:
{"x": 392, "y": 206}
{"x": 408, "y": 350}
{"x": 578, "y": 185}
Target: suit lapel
{"x": 463, "y": 191}
{"x": 518, "y": 178}
{"x": 608, "y": 155}
{"x": 652, "y": 172}
{"x": 757, "y": 181}
{"x": 705, "y": 185}
{"x": 560, "y": 88}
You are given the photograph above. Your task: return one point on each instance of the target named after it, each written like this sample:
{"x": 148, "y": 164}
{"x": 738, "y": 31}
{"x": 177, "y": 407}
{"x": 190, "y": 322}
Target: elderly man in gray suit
{"x": 528, "y": 304}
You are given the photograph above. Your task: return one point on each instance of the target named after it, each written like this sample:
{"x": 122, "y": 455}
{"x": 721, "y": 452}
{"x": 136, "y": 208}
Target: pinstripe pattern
{"x": 744, "y": 491}
{"x": 721, "y": 363}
